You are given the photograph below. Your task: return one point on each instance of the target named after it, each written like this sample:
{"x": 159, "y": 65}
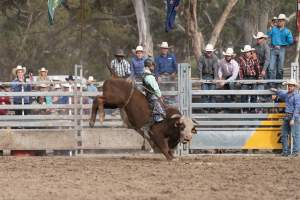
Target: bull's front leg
{"x": 94, "y": 112}
{"x": 101, "y": 110}
{"x": 162, "y": 144}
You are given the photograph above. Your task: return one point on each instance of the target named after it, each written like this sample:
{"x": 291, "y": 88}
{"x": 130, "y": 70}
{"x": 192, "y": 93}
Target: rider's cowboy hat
{"x": 164, "y": 45}
{"x": 43, "y": 69}
{"x": 19, "y": 67}
{"x": 260, "y": 35}
{"x": 247, "y": 48}
{"x": 209, "y": 47}
{"x": 91, "y": 79}
{"x": 119, "y": 52}
{"x": 291, "y": 82}
{"x": 282, "y": 17}
{"x": 139, "y": 48}
{"x": 229, "y": 52}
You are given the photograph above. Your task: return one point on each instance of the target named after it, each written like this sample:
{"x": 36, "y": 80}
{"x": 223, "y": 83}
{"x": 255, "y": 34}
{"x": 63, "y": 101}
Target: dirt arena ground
{"x": 140, "y": 177}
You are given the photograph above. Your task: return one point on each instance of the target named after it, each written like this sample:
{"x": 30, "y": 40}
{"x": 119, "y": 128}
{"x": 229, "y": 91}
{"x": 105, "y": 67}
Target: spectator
{"x": 249, "y": 70}
{"x": 137, "y": 64}
{"x": 263, "y": 53}
{"x": 45, "y": 100}
{"x": 291, "y": 124}
{"x": 166, "y": 65}
{"x": 208, "y": 70}
{"x": 65, "y": 99}
{"x": 4, "y": 101}
{"x": 274, "y": 22}
{"x": 228, "y": 71}
{"x": 55, "y": 99}
{"x": 119, "y": 66}
{"x": 281, "y": 37}
{"x": 19, "y": 85}
{"x": 43, "y": 75}
{"x": 91, "y": 88}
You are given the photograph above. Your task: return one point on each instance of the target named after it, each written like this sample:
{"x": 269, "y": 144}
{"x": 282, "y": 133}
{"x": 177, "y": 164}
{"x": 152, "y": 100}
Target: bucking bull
{"x": 119, "y": 93}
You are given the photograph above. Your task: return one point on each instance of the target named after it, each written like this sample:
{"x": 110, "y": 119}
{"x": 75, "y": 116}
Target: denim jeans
{"x": 286, "y": 130}
{"x": 208, "y": 86}
{"x": 276, "y": 63}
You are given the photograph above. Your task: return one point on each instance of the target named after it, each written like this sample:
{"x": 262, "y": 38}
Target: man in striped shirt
{"x": 119, "y": 66}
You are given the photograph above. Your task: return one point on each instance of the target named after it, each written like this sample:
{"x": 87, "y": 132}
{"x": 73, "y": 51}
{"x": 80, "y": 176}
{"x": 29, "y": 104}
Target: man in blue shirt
{"x": 137, "y": 64}
{"x": 291, "y": 123}
{"x": 165, "y": 62}
{"x": 281, "y": 37}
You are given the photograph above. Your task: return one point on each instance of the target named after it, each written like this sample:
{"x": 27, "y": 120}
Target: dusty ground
{"x": 204, "y": 177}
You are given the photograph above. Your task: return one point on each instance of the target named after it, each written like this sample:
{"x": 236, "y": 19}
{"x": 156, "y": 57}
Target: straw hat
{"x": 247, "y": 48}
{"x": 19, "y": 67}
{"x": 43, "y": 85}
{"x": 291, "y": 82}
{"x": 229, "y": 52}
{"x": 91, "y": 79}
{"x": 43, "y": 69}
{"x": 282, "y": 17}
{"x": 139, "y": 48}
{"x": 164, "y": 45}
{"x": 209, "y": 47}
{"x": 260, "y": 35}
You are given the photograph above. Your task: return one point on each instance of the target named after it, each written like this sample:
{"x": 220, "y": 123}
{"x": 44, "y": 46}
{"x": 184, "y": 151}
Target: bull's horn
{"x": 174, "y": 116}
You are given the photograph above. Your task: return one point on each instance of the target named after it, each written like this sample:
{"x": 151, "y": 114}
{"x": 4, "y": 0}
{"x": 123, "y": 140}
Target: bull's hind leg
{"x": 101, "y": 110}
{"x": 94, "y": 112}
{"x": 98, "y": 104}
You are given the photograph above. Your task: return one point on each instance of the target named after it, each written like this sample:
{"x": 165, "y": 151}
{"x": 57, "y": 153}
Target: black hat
{"x": 70, "y": 78}
{"x": 148, "y": 62}
{"x": 119, "y": 52}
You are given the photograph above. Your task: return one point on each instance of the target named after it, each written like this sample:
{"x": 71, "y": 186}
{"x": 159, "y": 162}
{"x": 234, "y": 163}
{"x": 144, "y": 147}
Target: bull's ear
{"x": 194, "y": 131}
{"x": 174, "y": 116}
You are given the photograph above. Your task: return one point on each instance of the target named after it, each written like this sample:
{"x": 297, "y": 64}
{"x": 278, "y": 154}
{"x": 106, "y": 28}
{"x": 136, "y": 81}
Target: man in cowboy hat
{"x": 18, "y": 85}
{"x": 262, "y": 52}
{"x": 281, "y": 37}
{"x": 165, "y": 63}
{"x": 208, "y": 70}
{"x": 119, "y": 66}
{"x": 137, "y": 63}
{"x": 91, "y": 87}
{"x": 249, "y": 70}
{"x": 291, "y": 123}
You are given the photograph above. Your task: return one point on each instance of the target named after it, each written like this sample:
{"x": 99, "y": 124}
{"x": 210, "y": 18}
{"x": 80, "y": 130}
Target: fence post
{"x": 184, "y": 94}
{"x": 78, "y": 115}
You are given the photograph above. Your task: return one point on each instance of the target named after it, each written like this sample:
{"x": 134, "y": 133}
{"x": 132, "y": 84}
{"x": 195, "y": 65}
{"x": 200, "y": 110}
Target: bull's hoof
{"x": 91, "y": 123}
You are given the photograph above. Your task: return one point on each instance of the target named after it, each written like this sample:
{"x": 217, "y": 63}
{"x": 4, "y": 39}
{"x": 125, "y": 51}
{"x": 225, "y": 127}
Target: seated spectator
{"x": 91, "y": 87}
{"x": 4, "y": 101}
{"x": 19, "y": 85}
{"x": 44, "y": 99}
{"x": 208, "y": 70}
{"x": 55, "y": 99}
{"x": 120, "y": 67}
{"x": 249, "y": 70}
{"x": 228, "y": 72}
{"x": 137, "y": 64}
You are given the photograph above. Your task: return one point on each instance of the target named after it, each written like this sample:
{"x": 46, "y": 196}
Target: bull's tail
{"x": 98, "y": 104}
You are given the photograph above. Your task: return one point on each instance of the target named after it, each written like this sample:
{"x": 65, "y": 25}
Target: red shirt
{"x": 4, "y": 101}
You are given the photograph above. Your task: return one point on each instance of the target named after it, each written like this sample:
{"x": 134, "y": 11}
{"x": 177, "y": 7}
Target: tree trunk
{"x": 219, "y": 26}
{"x": 143, "y": 22}
{"x": 190, "y": 13}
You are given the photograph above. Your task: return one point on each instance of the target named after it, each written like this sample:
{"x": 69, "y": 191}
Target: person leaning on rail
{"x": 291, "y": 123}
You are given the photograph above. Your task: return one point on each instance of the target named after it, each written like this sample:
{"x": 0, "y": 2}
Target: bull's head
{"x": 186, "y": 127}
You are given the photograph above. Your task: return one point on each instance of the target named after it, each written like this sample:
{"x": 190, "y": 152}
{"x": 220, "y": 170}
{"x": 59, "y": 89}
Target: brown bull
{"x": 118, "y": 93}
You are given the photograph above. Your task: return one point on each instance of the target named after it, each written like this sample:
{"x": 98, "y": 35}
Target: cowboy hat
{"x": 43, "y": 85}
{"x": 43, "y": 69}
{"x": 282, "y": 17}
{"x": 229, "y": 52}
{"x": 247, "y": 48}
{"x": 164, "y": 45}
{"x": 260, "y": 35}
{"x": 70, "y": 78}
{"x": 274, "y": 18}
{"x": 119, "y": 52}
{"x": 66, "y": 85}
{"x": 139, "y": 48}
{"x": 57, "y": 86}
{"x": 209, "y": 47}
{"x": 91, "y": 79}
{"x": 291, "y": 82}
{"x": 19, "y": 67}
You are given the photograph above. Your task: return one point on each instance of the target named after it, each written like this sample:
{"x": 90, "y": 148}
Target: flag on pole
{"x": 171, "y": 14}
{"x": 52, "y": 5}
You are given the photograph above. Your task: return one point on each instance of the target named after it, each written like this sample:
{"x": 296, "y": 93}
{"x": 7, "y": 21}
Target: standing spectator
{"x": 44, "y": 100}
{"x": 43, "y": 75}
{"x": 120, "y": 67}
{"x": 249, "y": 70}
{"x": 291, "y": 124}
{"x": 165, "y": 63}
{"x": 19, "y": 85}
{"x": 137, "y": 64}
{"x": 91, "y": 88}
{"x": 208, "y": 70}
{"x": 4, "y": 100}
{"x": 263, "y": 53}
{"x": 228, "y": 71}
{"x": 281, "y": 37}
{"x": 274, "y": 22}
